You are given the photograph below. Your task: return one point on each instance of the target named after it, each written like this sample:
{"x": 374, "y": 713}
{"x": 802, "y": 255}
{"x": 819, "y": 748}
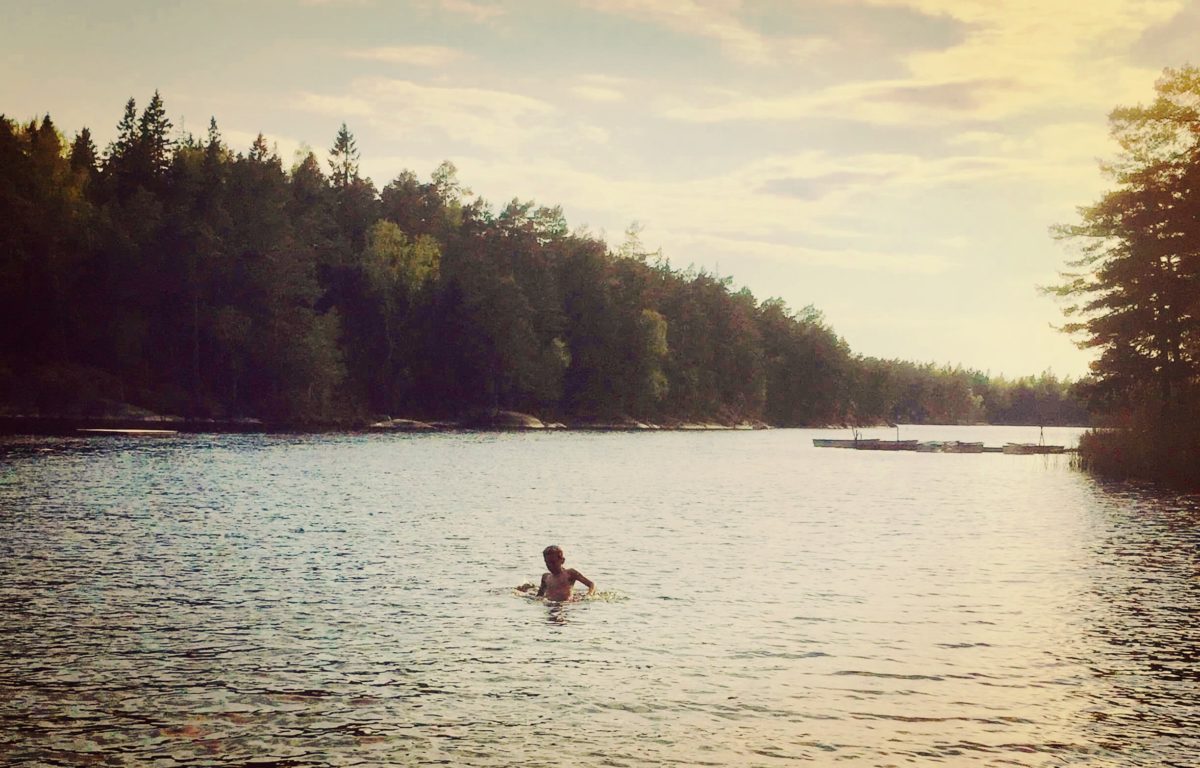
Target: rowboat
{"x": 959, "y": 447}
{"x": 820, "y": 442}
{"x": 1032, "y": 448}
{"x": 891, "y": 445}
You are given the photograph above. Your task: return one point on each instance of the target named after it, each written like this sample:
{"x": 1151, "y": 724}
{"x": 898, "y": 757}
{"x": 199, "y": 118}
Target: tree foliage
{"x": 1135, "y": 287}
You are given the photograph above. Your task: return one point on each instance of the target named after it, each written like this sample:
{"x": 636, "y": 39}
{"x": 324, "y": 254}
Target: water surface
{"x": 348, "y": 600}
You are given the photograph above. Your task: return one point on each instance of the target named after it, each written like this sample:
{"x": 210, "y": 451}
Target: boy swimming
{"x": 556, "y": 585}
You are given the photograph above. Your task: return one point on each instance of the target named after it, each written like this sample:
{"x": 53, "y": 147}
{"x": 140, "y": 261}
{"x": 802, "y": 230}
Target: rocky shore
{"x": 131, "y": 419}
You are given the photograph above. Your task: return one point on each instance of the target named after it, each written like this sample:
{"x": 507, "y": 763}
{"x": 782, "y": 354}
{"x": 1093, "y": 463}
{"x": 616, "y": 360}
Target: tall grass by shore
{"x": 1157, "y": 450}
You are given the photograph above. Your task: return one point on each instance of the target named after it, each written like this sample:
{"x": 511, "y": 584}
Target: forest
{"x": 172, "y": 274}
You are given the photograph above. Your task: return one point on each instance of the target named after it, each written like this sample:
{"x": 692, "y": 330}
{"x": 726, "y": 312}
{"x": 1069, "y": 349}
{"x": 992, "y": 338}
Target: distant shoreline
{"x": 500, "y": 421}
{"x": 71, "y": 425}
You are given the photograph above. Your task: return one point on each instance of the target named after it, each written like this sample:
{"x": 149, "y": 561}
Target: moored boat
{"x": 956, "y": 446}
{"x": 1022, "y": 449}
{"x": 891, "y": 445}
{"x": 820, "y": 442}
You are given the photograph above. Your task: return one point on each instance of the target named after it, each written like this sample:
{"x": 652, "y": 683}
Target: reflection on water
{"x": 349, "y": 600}
{"x": 1146, "y": 598}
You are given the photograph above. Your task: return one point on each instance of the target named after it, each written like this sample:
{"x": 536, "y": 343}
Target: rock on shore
{"x": 403, "y": 425}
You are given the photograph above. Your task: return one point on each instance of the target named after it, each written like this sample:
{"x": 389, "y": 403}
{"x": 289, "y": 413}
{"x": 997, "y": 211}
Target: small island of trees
{"x": 171, "y": 273}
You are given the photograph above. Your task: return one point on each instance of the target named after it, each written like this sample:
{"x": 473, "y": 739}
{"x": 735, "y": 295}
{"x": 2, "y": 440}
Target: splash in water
{"x": 528, "y": 590}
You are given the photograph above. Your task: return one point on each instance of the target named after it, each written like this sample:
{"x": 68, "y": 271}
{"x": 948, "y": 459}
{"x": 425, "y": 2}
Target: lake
{"x": 339, "y": 600}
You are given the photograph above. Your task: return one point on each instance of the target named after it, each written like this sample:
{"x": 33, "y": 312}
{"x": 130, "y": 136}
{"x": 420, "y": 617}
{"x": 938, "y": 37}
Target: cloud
{"x": 853, "y": 259}
{"x": 498, "y": 120}
{"x": 715, "y": 19}
{"x": 960, "y": 96}
{"x": 815, "y": 187}
{"x": 479, "y": 13}
{"x": 993, "y": 140}
{"x": 1011, "y": 60}
{"x": 1056, "y": 52}
{"x": 411, "y": 55}
{"x": 597, "y": 93}
{"x": 600, "y": 88}
{"x": 729, "y": 207}
{"x": 1171, "y": 41}
{"x": 808, "y": 208}
{"x": 886, "y": 102}
{"x": 852, "y": 186}
{"x": 338, "y": 106}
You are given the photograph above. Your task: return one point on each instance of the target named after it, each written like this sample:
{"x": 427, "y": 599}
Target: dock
{"x": 938, "y": 446}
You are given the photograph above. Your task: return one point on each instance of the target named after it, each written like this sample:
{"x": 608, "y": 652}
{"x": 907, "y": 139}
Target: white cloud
{"x": 500, "y": 121}
{"x": 1059, "y": 160}
{"x": 597, "y": 93}
{"x": 601, "y": 88}
{"x": 1016, "y": 58}
{"x": 882, "y": 102}
{"x": 836, "y": 179}
{"x": 411, "y": 55}
{"x": 337, "y": 106}
{"x": 715, "y": 19}
{"x": 593, "y": 134}
{"x": 496, "y": 119}
{"x": 719, "y": 21}
{"x": 727, "y": 208}
{"x": 852, "y": 259}
{"x": 477, "y": 12}
{"x": 1056, "y": 53}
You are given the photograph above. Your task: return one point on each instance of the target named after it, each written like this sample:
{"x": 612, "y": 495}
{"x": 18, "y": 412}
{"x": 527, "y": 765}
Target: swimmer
{"x": 556, "y": 585}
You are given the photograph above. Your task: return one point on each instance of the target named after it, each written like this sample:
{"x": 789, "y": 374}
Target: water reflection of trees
{"x": 1143, "y": 640}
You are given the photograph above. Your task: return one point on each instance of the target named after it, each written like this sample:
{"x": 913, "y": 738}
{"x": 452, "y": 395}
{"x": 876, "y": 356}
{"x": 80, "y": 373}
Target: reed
{"x": 1145, "y": 447}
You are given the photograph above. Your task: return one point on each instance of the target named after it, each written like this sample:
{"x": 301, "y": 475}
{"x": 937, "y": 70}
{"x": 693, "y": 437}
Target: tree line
{"x": 170, "y": 272}
{"x": 1134, "y": 289}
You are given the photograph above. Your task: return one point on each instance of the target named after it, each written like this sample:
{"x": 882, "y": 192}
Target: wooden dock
{"x": 938, "y": 446}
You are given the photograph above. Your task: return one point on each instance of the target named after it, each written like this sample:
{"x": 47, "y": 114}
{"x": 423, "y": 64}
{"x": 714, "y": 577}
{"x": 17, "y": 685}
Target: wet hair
{"x": 551, "y": 548}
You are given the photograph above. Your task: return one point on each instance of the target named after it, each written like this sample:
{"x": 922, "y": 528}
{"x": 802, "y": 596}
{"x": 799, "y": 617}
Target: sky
{"x": 897, "y": 164}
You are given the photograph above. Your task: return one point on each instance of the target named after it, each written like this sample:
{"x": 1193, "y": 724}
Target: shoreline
{"x": 98, "y": 425}
{"x": 499, "y": 421}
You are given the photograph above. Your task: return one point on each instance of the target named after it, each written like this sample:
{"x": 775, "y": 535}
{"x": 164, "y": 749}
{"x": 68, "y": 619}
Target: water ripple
{"x": 347, "y": 600}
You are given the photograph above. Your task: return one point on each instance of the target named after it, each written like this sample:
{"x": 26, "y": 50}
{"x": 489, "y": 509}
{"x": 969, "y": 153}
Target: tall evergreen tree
{"x": 127, "y": 133}
{"x": 83, "y": 153}
{"x": 1137, "y": 289}
{"x": 259, "y": 151}
{"x": 154, "y": 137}
{"x": 343, "y": 159}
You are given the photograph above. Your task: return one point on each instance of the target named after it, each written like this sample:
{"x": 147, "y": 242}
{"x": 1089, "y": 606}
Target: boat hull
{"x": 1024, "y": 449}
{"x": 819, "y": 442}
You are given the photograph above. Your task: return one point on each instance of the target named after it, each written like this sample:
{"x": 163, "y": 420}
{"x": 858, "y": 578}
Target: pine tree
{"x": 1139, "y": 274}
{"x": 153, "y": 135}
{"x": 127, "y": 135}
{"x": 343, "y": 159}
{"x": 83, "y": 153}
{"x": 259, "y": 151}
